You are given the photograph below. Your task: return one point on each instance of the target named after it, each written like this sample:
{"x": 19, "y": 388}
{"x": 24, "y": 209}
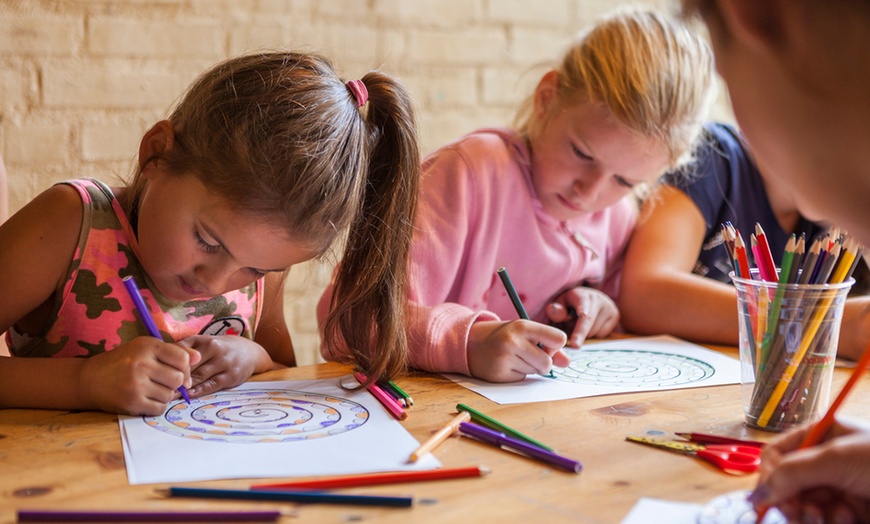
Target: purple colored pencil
{"x": 147, "y": 516}
{"x": 497, "y": 438}
{"x": 145, "y": 315}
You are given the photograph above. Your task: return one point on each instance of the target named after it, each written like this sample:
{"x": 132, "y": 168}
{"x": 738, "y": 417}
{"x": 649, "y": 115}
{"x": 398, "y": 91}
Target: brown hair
{"x": 652, "y": 72}
{"x": 280, "y": 136}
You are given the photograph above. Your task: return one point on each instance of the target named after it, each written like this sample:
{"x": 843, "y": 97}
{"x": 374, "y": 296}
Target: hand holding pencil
{"x": 826, "y": 479}
{"x": 501, "y": 351}
{"x": 140, "y": 376}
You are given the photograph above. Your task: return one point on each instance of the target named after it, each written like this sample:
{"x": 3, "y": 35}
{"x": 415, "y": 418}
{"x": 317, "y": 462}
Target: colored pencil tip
{"x": 184, "y": 394}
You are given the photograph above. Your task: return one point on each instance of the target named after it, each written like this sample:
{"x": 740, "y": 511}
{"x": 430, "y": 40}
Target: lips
{"x": 570, "y": 205}
{"x": 190, "y": 290}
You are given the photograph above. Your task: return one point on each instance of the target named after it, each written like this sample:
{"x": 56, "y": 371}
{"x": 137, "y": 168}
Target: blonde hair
{"x": 653, "y": 73}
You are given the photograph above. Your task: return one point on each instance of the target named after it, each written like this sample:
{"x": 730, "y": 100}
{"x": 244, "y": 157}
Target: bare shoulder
{"x": 38, "y": 244}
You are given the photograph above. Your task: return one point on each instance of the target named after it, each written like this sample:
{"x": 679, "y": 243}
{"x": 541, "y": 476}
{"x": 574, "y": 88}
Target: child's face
{"x": 584, "y": 160}
{"x": 193, "y": 246}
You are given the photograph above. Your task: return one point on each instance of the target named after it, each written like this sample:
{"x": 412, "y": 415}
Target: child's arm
{"x": 659, "y": 292}
{"x": 38, "y": 244}
{"x": 855, "y": 330}
{"x": 272, "y": 332}
{"x": 138, "y": 378}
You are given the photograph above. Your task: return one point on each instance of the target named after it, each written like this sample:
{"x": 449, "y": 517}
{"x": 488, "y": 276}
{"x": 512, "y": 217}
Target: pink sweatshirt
{"x": 478, "y": 212}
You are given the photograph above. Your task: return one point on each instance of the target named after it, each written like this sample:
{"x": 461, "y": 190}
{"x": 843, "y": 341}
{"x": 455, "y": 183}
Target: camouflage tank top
{"x": 92, "y": 311}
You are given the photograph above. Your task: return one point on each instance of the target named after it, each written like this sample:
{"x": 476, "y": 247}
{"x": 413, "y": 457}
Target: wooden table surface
{"x": 74, "y": 460}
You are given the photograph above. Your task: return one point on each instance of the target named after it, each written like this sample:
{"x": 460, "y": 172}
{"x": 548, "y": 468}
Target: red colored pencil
{"x": 765, "y": 258}
{"x": 703, "y": 438}
{"x": 379, "y": 478}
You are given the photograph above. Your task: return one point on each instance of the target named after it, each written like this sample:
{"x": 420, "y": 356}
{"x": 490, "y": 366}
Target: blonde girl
{"x": 551, "y": 200}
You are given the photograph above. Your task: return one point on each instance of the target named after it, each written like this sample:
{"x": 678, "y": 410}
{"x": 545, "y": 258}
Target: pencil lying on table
{"x": 503, "y": 441}
{"x": 385, "y": 399}
{"x": 309, "y": 497}
{"x": 146, "y": 516}
{"x": 485, "y": 420}
{"x": 440, "y": 436}
{"x": 374, "y": 479}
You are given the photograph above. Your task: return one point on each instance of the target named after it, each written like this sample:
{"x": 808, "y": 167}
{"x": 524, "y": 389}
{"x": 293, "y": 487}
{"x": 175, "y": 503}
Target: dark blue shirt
{"x": 726, "y": 186}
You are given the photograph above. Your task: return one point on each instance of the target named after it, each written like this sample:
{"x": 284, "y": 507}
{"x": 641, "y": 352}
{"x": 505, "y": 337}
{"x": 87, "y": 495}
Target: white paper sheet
{"x": 619, "y": 366}
{"x": 268, "y": 429}
{"x": 654, "y": 511}
{"x": 729, "y": 508}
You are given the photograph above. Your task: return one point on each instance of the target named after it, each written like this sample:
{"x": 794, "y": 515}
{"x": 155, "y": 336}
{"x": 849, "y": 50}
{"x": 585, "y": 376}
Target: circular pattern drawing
{"x": 246, "y": 416}
{"x": 733, "y": 508}
{"x": 629, "y": 367}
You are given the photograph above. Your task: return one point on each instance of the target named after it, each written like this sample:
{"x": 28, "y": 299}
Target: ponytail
{"x": 368, "y": 300}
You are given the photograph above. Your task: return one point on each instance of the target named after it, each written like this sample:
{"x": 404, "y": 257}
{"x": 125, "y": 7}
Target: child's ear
{"x": 758, "y": 24}
{"x": 156, "y": 143}
{"x": 546, "y": 94}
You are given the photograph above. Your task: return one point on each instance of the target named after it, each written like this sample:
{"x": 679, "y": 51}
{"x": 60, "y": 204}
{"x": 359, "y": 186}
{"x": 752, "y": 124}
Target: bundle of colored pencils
{"x": 791, "y": 317}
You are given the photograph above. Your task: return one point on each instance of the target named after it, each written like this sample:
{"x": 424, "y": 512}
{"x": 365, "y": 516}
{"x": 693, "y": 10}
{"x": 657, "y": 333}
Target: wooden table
{"x": 74, "y": 460}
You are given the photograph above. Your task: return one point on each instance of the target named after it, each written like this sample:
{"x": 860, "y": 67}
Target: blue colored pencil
{"x": 311, "y": 497}
{"x": 145, "y": 315}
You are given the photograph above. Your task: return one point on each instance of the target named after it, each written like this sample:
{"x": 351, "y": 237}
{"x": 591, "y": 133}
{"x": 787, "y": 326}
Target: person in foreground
{"x": 266, "y": 160}
{"x": 676, "y": 264}
{"x": 4, "y": 192}
{"x": 798, "y": 75}
{"x": 551, "y": 201}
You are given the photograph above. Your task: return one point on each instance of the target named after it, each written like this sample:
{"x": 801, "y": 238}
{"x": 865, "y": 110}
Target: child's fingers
{"x": 560, "y": 359}
{"x": 177, "y": 361}
{"x": 582, "y": 328}
{"x": 558, "y": 313}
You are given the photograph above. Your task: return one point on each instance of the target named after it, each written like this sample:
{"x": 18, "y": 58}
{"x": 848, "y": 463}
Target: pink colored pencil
{"x": 385, "y": 398}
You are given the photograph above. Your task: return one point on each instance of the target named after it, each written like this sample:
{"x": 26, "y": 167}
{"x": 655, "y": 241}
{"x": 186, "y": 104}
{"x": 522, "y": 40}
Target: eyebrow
{"x": 220, "y": 242}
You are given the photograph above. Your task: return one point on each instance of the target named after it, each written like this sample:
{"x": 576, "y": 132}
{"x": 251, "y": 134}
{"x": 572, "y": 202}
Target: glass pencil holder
{"x": 788, "y": 347}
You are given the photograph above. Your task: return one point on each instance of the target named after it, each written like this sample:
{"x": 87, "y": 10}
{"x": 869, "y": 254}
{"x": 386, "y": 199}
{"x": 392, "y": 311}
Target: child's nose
{"x": 589, "y": 187}
{"x": 213, "y": 278}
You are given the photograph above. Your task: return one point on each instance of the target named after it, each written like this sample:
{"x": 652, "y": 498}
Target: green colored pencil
{"x": 483, "y": 420}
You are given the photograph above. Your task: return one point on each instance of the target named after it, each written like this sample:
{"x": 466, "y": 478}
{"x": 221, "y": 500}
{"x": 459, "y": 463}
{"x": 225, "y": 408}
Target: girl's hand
{"x": 827, "y": 482}
{"x": 227, "y": 361}
{"x": 508, "y": 351}
{"x": 594, "y": 314}
{"x": 137, "y": 378}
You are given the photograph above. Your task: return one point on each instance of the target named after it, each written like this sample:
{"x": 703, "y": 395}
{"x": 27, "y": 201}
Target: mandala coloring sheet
{"x": 268, "y": 429}
{"x": 619, "y": 366}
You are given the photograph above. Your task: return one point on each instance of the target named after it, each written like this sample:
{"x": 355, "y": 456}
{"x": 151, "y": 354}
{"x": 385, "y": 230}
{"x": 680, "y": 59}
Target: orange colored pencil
{"x": 440, "y": 436}
{"x": 374, "y": 479}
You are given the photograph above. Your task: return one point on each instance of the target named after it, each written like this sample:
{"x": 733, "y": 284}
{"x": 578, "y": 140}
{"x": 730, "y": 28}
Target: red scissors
{"x": 727, "y": 457}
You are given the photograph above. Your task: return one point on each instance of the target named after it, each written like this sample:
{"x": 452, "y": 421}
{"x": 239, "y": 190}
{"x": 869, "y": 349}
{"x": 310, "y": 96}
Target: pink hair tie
{"x": 358, "y": 89}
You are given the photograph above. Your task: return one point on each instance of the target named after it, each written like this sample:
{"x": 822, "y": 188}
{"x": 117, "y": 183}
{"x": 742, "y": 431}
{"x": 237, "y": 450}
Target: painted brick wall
{"x": 81, "y": 80}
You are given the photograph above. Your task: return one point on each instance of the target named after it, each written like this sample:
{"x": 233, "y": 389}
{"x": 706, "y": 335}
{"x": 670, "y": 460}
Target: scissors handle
{"x": 732, "y": 458}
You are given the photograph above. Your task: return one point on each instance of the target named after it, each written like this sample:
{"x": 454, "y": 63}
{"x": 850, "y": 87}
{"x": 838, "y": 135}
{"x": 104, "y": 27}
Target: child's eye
{"x": 623, "y": 182}
{"x": 580, "y": 153}
{"x": 255, "y": 273}
{"x": 208, "y": 248}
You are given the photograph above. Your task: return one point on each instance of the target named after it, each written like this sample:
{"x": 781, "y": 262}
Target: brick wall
{"x": 81, "y": 80}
